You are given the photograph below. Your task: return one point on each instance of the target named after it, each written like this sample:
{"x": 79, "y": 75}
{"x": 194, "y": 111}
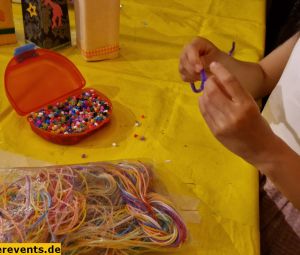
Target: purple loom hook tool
{"x": 203, "y": 80}
{"x": 203, "y": 74}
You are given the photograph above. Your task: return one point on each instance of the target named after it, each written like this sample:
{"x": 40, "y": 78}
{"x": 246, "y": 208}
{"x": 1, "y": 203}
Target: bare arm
{"x": 235, "y": 120}
{"x": 282, "y": 166}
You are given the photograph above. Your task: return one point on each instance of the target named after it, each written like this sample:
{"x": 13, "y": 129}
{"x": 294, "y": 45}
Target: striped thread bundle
{"x": 101, "y": 208}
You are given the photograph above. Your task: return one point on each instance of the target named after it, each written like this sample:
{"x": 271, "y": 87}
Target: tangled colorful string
{"x": 74, "y": 115}
{"x": 108, "y": 207}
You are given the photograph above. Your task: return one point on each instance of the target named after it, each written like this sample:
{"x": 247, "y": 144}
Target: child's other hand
{"x": 234, "y": 117}
{"x": 197, "y": 56}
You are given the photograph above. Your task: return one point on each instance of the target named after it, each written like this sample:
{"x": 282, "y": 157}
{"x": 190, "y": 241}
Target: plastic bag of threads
{"x": 95, "y": 208}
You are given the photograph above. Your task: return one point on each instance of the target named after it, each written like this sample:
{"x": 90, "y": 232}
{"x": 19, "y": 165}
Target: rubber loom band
{"x": 230, "y": 53}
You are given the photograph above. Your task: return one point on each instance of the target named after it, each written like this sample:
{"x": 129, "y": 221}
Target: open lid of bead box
{"x": 35, "y": 78}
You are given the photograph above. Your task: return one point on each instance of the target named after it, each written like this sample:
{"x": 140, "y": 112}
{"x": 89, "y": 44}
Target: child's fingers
{"x": 216, "y": 96}
{"x": 187, "y": 70}
{"x": 206, "y": 115}
{"x": 215, "y": 113}
{"x": 183, "y": 68}
{"x": 229, "y": 82}
{"x": 193, "y": 58}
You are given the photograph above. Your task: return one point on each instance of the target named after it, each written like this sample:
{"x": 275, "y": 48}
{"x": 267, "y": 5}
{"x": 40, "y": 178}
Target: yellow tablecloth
{"x": 145, "y": 81}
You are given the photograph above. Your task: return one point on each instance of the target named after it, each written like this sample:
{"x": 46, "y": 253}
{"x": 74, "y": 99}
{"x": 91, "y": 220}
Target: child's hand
{"x": 234, "y": 118}
{"x": 197, "y": 56}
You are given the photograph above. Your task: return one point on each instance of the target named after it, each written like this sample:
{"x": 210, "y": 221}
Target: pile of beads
{"x": 76, "y": 114}
{"x": 100, "y": 208}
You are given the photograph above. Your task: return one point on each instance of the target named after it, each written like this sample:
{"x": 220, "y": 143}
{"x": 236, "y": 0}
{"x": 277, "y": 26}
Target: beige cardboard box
{"x": 7, "y": 28}
{"x": 97, "y": 28}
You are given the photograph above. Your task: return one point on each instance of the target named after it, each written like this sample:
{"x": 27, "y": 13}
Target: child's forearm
{"x": 259, "y": 79}
{"x": 282, "y": 166}
{"x": 251, "y": 75}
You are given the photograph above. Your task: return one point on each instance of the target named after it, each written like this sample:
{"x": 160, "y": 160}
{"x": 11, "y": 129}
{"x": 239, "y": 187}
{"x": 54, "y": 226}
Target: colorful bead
{"x": 143, "y": 138}
{"x": 76, "y": 114}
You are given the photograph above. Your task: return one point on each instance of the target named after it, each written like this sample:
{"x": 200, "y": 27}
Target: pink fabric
{"x": 279, "y": 222}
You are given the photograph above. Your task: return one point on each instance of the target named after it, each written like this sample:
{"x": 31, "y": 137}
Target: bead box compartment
{"x": 36, "y": 79}
{"x": 72, "y": 138}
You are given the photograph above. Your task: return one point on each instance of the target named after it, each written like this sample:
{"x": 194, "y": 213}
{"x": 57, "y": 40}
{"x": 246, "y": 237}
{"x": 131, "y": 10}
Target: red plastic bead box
{"x": 48, "y": 88}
